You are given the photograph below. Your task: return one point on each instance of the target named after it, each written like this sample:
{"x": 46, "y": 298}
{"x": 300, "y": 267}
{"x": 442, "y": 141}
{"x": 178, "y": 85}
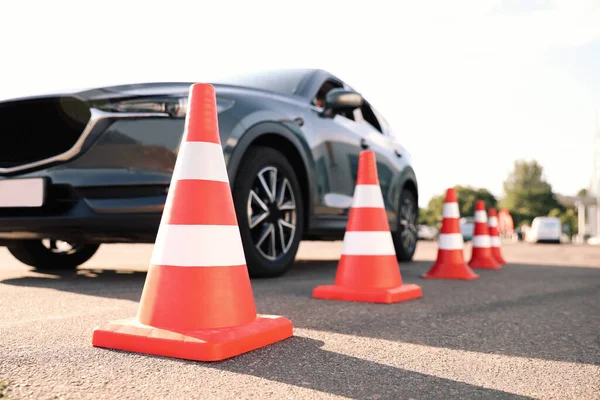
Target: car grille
{"x": 32, "y": 130}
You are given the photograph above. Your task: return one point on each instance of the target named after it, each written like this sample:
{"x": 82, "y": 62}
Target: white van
{"x": 545, "y": 229}
{"x": 467, "y": 227}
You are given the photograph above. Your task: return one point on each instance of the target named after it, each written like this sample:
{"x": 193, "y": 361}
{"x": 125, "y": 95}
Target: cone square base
{"x": 371, "y": 295}
{"x": 203, "y": 345}
{"x": 499, "y": 259}
{"x": 451, "y": 271}
{"x": 484, "y": 264}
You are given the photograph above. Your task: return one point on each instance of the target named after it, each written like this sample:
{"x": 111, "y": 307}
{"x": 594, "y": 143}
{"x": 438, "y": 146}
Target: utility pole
{"x": 581, "y": 220}
{"x": 596, "y": 174}
{"x": 597, "y": 216}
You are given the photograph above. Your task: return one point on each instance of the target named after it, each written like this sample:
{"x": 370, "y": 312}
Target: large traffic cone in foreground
{"x": 481, "y": 256}
{"x": 450, "y": 263}
{"x": 368, "y": 269}
{"x": 495, "y": 236}
{"x": 197, "y": 301}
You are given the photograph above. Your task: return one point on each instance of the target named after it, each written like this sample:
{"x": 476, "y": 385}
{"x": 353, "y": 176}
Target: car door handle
{"x": 363, "y": 144}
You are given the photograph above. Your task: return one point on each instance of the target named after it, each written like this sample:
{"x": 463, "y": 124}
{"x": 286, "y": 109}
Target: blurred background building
{"x": 588, "y": 204}
{"x": 595, "y": 184}
{"x": 593, "y": 207}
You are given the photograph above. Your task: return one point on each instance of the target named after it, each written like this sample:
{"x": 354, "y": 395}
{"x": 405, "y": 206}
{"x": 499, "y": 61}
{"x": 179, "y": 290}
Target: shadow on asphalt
{"x": 546, "y": 312}
{"x": 302, "y": 362}
{"x": 109, "y": 283}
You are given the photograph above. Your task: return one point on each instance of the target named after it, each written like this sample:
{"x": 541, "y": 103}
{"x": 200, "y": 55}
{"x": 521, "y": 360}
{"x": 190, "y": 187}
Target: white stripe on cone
{"x": 367, "y": 196}
{"x": 200, "y": 161}
{"x": 481, "y": 216}
{"x": 481, "y": 241}
{"x": 198, "y": 246}
{"x": 495, "y": 241}
{"x": 450, "y": 241}
{"x": 493, "y": 222}
{"x": 451, "y": 210}
{"x": 359, "y": 243}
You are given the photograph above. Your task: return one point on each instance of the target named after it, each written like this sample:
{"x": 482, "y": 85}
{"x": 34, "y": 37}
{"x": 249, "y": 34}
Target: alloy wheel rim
{"x": 272, "y": 213}
{"x": 408, "y": 223}
{"x": 60, "y": 246}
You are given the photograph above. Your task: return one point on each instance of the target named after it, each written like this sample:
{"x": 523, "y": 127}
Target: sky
{"x": 469, "y": 86}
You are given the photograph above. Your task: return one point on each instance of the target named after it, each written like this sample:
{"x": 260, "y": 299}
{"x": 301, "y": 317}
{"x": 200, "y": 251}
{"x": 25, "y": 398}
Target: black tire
{"x": 35, "y": 254}
{"x": 406, "y": 236}
{"x": 261, "y": 260}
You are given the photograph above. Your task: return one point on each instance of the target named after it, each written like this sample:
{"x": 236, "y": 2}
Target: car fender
{"x": 286, "y": 129}
{"x": 407, "y": 176}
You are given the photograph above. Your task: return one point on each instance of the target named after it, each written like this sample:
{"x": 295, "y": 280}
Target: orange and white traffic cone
{"x": 197, "y": 301}
{"x": 368, "y": 269}
{"x": 481, "y": 256}
{"x": 495, "y": 237}
{"x": 450, "y": 263}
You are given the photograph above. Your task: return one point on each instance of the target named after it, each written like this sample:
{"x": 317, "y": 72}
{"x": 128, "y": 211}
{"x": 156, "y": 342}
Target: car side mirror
{"x": 341, "y": 100}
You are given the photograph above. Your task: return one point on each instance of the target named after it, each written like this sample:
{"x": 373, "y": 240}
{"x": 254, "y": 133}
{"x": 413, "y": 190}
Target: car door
{"x": 338, "y": 143}
{"x": 335, "y": 141}
{"x": 370, "y": 132}
{"x": 341, "y": 141}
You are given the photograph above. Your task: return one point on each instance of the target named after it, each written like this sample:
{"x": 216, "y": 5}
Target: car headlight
{"x": 180, "y": 109}
{"x": 174, "y": 106}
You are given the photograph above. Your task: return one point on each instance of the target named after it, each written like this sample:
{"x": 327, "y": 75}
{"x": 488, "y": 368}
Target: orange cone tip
{"x": 197, "y": 301}
{"x": 368, "y": 269}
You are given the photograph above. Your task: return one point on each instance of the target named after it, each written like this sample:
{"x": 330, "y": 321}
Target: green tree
{"x": 555, "y": 212}
{"x": 467, "y": 196}
{"x": 567, "y": 217}
{"x": 527, "y": 194}
{"x": 433, "y": 212}
{"x": 425, "y": 217}
{"x": 582, "y": 193}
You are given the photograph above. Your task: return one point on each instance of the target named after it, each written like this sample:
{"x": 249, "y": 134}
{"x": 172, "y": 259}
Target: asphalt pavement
{"x": 531, "y": 330}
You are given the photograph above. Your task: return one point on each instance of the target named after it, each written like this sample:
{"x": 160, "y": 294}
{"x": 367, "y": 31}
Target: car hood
{"x": 127, "y": 91}
{"x": 135, "y": 90}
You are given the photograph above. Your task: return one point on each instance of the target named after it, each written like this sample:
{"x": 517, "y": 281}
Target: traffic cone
{"x": 197, "y": 301}
{"x": 450, "y": 263}
{"x": 495, "y": 237}
{"x": 368, "y": 269}
{"x": 481, "y": 256}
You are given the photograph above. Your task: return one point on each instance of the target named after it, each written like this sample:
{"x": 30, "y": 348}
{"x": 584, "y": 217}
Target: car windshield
{"x": 281, "y": 81}
{"x": 549, "y": 224}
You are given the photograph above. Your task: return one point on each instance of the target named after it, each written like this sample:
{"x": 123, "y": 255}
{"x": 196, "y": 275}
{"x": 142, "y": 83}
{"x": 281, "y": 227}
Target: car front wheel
{"x": 52, "y": 254}
{"x": 268, "y": 202}
{"x": 405, "y": 239}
